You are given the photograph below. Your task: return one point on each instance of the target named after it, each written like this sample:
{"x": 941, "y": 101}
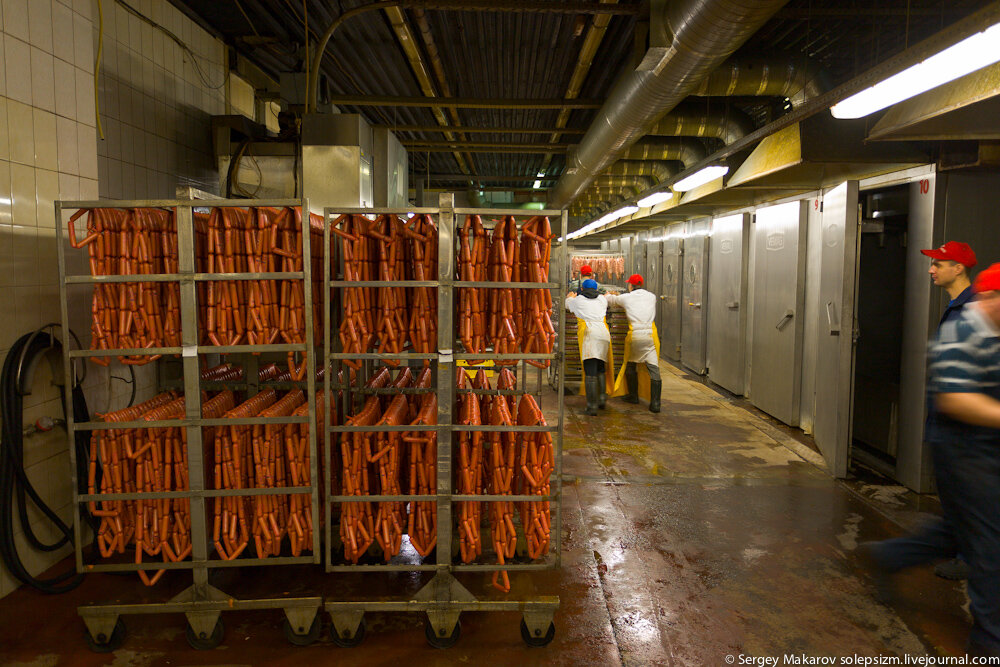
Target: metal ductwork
{"x": 659, "y": 170}
{"x": 728, "y": 125}
{"x": 796, "y": 77}
{"x": 640, "y": 182}
{"x": 702, "y": 34}
{"x": 686, "y": 149}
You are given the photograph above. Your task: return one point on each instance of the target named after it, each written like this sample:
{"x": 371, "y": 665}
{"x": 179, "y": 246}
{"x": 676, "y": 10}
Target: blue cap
{"x": 589, "y": 284}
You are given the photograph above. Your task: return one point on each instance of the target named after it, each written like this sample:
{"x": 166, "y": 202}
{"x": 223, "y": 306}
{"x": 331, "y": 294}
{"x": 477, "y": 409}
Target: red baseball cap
{"x": 586, "y": 270}
{"x": 635, "y": 279}
{"x": 954, "y": 251}
{"x": 988, "y": 280}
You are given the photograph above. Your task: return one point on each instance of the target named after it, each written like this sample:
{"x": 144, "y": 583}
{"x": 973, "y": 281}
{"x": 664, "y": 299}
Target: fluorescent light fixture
{"x": 706, "y": 175}
{"x": 537, "y": 185}
{"x": 625, "y": 210}
{"x": 540, "y": 174}
{"x": 655, "y": 198}
{"x": 967, "y": 56}
{"x": 409, "y": 215}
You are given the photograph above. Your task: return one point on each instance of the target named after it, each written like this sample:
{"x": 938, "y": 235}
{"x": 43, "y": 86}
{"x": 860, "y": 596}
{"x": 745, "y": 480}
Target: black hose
{"x": 15, "y": 487}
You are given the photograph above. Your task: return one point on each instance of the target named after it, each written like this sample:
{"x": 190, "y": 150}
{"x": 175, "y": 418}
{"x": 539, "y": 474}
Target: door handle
{"x": 733, "y": 305}
{"x": 789, "y": 314}
{"x": 831, "y": 319}
{"x": 694, "y": 305}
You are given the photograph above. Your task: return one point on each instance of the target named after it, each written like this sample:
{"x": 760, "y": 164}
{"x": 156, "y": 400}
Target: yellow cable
{"x": 97, "y": 66}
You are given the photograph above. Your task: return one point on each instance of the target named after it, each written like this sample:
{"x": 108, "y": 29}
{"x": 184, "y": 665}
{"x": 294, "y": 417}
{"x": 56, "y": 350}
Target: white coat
{"x": 592, "y": 311}
{"x": 640, "y": 308}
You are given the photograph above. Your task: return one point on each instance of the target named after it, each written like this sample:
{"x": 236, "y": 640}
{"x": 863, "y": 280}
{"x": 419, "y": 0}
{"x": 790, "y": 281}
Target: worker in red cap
{"x": 950, "y": 271}
{"x": 965, "y": 445}
{"x": 586, "y": 273}
{"x": 642, "y": 344}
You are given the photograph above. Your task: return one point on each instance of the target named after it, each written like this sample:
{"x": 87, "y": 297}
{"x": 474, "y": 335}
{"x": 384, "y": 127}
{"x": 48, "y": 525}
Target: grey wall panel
{"x": 727, "y": 310}
{"x": 670, "y": 297}
{"x": 834, "y": 338}
{"x": 694, "y": 295}
{"x": 778, "y": 295}
{"x": 811, "y": 314}
{"x": 652, "y": 272}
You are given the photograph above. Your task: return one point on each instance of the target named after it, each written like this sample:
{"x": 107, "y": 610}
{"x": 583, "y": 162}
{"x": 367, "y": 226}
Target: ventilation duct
{"x": 685, "y": 149}
{"x": 729, "y": 125}
{"x": 703, "y": 33}
{"x": 797, "y": 78}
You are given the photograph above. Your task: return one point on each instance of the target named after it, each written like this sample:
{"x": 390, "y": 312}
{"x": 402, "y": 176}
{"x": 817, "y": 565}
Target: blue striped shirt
{"x": 965, "y": 358}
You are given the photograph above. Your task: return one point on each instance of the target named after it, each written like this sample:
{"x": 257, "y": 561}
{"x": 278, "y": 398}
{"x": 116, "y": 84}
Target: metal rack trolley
{"x": 443, "y": 598}
{"x": 201, "y": 603}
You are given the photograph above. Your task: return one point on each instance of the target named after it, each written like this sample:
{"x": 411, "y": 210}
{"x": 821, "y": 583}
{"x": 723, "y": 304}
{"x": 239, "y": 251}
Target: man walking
{"x": 965, "y": 444}
{"x": 950, "y": 271}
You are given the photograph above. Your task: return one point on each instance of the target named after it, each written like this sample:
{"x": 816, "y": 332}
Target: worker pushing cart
{"x": 642, "y": 344}
{"x": 594, "y": 337}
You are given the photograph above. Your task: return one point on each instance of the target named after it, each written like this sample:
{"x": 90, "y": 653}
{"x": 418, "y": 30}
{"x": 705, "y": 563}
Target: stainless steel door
{"x": 778, "y": 295}
{"x": 670, "y": 297}
{"x": 835, "y": 359}
{"x": 727, "y": 312}
{"x": 694, "y": 297}
{"x": 651, "y": 274}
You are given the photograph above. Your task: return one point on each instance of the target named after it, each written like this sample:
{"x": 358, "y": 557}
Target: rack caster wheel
{"x": 203, "y": 642}
{"x": 348, "y": 642}
{"x": 304, "y": 639}
{"x": 537, "y": 640}
{"x": 437, "y": 641}
{"x": 103, "y": 644}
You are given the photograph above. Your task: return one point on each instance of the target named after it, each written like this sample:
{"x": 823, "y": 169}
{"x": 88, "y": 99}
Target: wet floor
{"x": 688, "y": 536}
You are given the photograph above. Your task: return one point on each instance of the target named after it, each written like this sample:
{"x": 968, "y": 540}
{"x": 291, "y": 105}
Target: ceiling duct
{"x": 688, "y": 40}
{"x": 796, "y": 77}
{"x": 729, "y": 125}
{"x": 685, "y": 149}
{"x": 608, "y": 180}
{"x": 660, "y": 170}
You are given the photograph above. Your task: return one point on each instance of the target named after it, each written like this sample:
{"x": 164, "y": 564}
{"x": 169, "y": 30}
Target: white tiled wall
{"x": 156, "y": 100}
{"x": 155, "y": 110}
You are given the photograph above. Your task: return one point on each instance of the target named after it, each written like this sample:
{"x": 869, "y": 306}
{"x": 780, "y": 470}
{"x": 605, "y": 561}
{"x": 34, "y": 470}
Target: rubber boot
{"x": 654, "y": 395}
{"x": 593, "y": 393}
{"x": 631, "y": 383}
{"x": 602, "y": 391}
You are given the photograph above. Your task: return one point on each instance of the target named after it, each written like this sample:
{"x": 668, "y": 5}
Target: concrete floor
{"x": 701, "y": 532}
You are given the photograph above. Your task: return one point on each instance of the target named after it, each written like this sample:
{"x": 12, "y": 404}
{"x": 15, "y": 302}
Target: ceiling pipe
{"x": 658, "y": 169}
{"x": 798, "y": 78}
{"x": 704, "y": 33}
{"x": 729, "y": 125}
{"x": 612, "y": 180}
{"x": 685, "y": 149}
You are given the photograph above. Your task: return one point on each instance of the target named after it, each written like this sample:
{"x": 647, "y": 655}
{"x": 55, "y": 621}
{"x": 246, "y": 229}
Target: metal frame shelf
{"x": 201, "y": 603}
{"x": 443, "y": 597}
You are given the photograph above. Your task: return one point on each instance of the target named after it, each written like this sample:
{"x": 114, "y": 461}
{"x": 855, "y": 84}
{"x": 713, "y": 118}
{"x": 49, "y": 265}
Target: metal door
{"x": 727, "y": 312}
{"x": 694, "y": 297}
{"x": 651, "y": 274}
{"x": 670, "y": 296}
{"x": 778, "y": 295}
{"x": 835, "y": 359}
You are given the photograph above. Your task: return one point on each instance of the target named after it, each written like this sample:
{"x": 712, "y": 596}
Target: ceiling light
{"x": 967, "y": 56}
{"x": 537, "y": 185}
{"x": 655, "y": 198}
{"x": 540, "y": 174}
{"x": 625, "y": 210}
{"x": 706, "y": 175}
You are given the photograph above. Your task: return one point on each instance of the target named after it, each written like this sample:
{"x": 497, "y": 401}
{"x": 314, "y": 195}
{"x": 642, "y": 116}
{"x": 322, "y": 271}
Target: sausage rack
{"x": 443, "y": 598}
{"x": 201, "y": 603}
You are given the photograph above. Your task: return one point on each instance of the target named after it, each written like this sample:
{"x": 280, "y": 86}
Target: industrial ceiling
{"x": 518, "y": 84}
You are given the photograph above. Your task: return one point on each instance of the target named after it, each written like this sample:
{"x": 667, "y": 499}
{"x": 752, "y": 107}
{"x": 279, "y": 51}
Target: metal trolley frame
{"x": 443, "y": 598}
{"x": 201, "y": 603}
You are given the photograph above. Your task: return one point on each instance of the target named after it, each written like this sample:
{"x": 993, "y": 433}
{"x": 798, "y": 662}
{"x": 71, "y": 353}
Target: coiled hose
{"x": 15, "y": 487}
